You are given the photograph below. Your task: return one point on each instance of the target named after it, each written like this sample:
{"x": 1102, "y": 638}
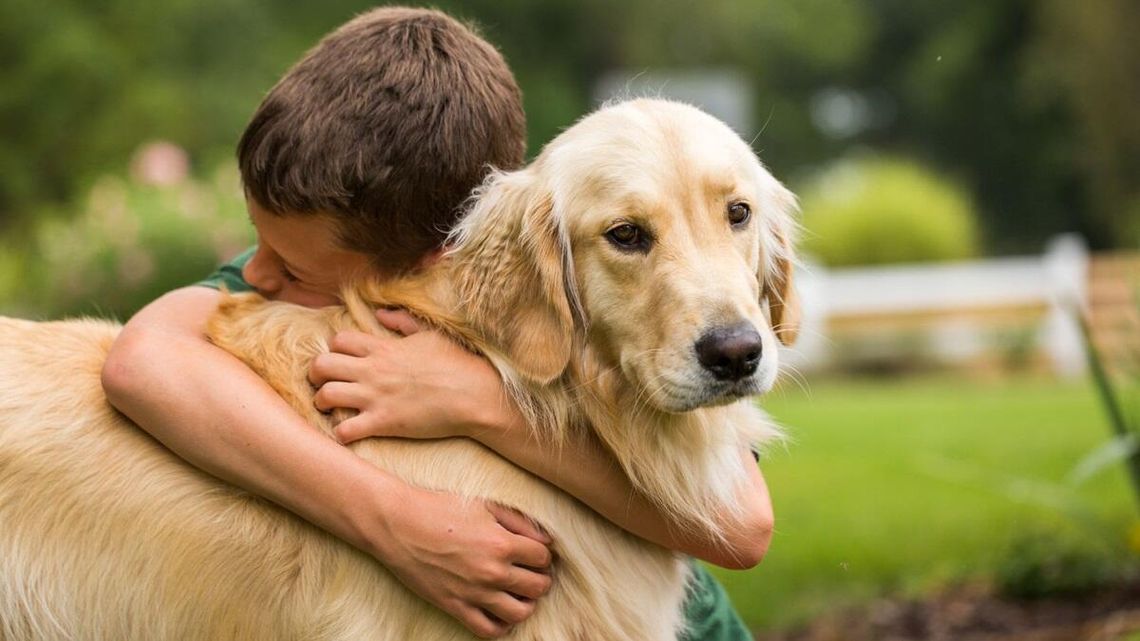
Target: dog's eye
{"x": 739, "y": 213}
{"x": 629, "y": 237}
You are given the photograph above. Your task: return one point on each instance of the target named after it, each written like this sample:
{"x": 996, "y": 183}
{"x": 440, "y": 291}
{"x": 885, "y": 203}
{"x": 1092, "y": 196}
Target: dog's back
{"x": 108, "y": 535}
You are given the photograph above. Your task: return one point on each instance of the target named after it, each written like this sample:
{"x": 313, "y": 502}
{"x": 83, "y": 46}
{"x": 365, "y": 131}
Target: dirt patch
{"x": 974, "y": 613}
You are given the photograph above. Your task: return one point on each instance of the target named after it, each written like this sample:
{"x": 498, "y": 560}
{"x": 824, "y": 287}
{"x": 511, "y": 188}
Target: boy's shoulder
{"x": 229, "y": 275}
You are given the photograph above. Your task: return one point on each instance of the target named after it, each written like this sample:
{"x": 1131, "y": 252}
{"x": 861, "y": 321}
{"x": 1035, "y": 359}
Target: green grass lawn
{"x": 902, "y": 486}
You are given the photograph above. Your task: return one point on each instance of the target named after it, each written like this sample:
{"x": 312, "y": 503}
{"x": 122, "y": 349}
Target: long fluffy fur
{"x": 106, "y": 535}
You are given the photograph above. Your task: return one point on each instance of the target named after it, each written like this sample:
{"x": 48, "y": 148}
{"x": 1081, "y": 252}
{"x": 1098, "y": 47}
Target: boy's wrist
{"x": 494, "y": 421}
{"x": 371, "y": 506}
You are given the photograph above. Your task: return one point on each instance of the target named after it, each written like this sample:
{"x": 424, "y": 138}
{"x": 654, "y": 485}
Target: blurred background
{"x": 963, "y": 405}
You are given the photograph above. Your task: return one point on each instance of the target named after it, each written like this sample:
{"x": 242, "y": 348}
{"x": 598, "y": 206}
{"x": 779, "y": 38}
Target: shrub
{"x": 875, "y": 210}
{"x": 13, "y": 273}
{"x": 1057, "y": 563}
{"x": 130, "y": 243}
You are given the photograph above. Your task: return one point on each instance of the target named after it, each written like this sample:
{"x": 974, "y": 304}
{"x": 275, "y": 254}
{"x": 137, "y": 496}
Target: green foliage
{"x": 877, "y": 211}
{"x": 1055, "y": 563}
{"x": 1115, "y": 392}
{"x": 87, "y": 83}
{"x": 12, "y": 277}
{"x": 1028, "y": 102}
{"x": 1084, "y": 57}
{"x": 129, "y": 244}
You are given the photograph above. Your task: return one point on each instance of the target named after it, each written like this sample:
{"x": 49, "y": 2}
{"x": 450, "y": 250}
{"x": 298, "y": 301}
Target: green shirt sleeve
{"x": 229, "y": 275}
{"x": 709, "y": 615}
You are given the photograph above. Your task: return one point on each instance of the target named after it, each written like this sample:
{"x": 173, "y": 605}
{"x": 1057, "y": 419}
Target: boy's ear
{"x": 511, "y": 260}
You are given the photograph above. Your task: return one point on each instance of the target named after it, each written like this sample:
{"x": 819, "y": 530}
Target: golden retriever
{"x": 633, "y": 280}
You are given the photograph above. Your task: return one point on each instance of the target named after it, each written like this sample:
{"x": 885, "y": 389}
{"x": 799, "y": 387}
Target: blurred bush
{"x": 878, "y": 210}
{"x": 1057, "y": 563}
{"x": 884, "y": 355}
{"x": 131, "y": 241}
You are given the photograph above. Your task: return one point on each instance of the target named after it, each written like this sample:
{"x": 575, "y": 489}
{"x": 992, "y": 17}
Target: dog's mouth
{"x": 706, "y": 393}
{"x": 722, "y": 392}
{"x": 741, "y": 389}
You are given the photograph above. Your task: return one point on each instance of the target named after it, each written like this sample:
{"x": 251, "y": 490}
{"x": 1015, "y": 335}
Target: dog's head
{"x": 650, "y": 230}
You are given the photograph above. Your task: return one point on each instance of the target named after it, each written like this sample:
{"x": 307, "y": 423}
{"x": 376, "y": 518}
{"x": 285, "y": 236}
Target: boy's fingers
{"x": 483, "y": 624}
{"x": 528, "y": 583}
{"x": 509, "y": 609}
{"x": 398, "y": 321}
{"x": 516, "y": 523}
{"x": 351, "y": 430}
{"x": 352, "y": 343}
{"x": 531, "y": 555}
{"x": 334, "y": 366}
{"x": 336, "y": 394}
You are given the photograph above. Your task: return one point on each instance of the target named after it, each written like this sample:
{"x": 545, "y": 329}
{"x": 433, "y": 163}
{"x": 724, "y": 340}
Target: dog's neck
{"x": 687, "y": 463}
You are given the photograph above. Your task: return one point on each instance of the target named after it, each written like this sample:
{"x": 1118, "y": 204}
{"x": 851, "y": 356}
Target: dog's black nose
{"x": 731, "y": 352}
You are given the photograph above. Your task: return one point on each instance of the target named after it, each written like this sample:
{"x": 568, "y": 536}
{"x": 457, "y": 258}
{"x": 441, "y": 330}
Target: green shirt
{"x": 229, "y": 275}
{"x": 709, "y": 615}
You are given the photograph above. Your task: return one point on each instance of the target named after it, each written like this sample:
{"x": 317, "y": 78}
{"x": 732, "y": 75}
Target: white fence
{"x": 952, "y": 307}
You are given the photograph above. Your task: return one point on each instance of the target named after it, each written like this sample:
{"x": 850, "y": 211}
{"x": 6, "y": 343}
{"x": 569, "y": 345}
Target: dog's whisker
{"x": 797, "y": 377}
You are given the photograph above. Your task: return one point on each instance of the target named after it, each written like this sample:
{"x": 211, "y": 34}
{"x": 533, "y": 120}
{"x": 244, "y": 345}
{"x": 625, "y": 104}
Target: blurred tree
{"x": 87, "y": 82}
{"x": 1028, "y": 103}
{"x": 1024, "y": 101}
{"x": 950, "y": 72}
{"x": 1086, "y": 55}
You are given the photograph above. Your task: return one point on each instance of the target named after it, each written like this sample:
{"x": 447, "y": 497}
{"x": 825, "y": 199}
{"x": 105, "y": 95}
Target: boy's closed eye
{"x": 288, "y": 275}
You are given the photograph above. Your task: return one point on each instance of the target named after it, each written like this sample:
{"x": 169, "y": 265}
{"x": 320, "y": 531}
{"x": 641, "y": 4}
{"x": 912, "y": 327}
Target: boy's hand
{"x": 421, "y": 386}
{"x": 482, "y": 563}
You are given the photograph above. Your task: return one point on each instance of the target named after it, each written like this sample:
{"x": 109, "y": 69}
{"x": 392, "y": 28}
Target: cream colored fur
{"x": 106, "y": 535}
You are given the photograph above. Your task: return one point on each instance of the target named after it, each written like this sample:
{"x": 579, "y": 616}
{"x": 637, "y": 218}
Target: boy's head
{"x": 383, "y": 129}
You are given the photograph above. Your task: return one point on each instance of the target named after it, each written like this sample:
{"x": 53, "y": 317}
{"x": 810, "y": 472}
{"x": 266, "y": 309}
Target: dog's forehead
{"x": 649, "y": 147}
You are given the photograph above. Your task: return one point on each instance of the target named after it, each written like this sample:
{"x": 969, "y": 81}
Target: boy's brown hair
{"x": 387, "y": 125}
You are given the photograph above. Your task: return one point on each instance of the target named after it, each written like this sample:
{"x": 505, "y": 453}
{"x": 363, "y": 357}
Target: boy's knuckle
{"x": 500, "y": 549}
{"x": 493, "y": 574}
{"x": 320, "y": 364}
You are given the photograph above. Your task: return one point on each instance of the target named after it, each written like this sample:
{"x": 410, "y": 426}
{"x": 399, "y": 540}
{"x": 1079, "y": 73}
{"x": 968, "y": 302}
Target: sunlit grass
{"x": 905, "y": 485}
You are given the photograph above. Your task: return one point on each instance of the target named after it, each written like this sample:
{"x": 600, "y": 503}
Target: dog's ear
{"x": 511, "y": 261}
{"x": 779, "y": 289}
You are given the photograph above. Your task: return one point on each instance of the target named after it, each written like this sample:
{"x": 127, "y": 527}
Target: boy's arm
{"x": 585, "y": 470}
{"x": 209, "y": 408}
{"x": 425, "y": 386}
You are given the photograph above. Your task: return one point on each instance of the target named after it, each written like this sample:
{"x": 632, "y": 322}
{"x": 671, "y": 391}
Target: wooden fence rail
{"x": 976, "y": 312}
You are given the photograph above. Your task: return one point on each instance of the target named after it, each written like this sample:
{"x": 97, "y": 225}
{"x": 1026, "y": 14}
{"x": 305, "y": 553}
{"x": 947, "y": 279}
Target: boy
{"x": 355, "y": 163}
